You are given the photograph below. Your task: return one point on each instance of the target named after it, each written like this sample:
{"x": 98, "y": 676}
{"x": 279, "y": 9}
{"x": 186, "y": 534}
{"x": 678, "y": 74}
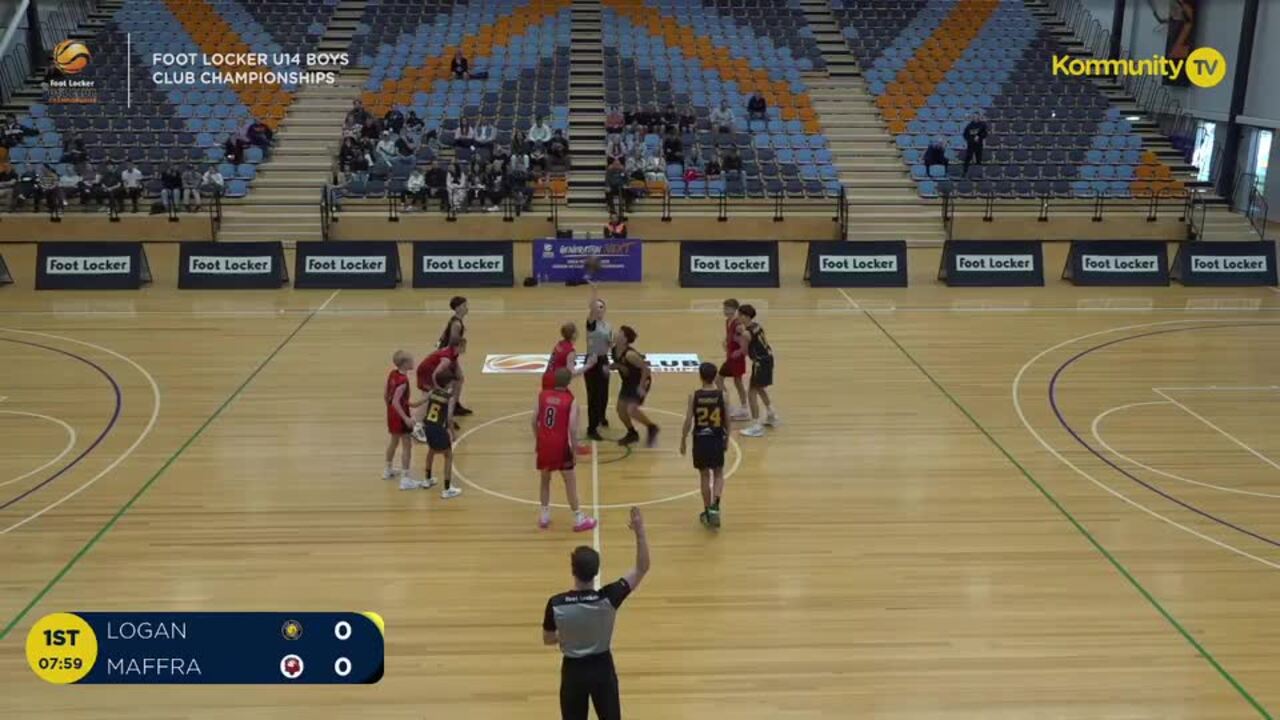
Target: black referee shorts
{"x": 593, "y": 678}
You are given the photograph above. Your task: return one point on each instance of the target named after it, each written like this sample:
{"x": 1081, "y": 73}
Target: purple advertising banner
{"x": 557, "y": 260}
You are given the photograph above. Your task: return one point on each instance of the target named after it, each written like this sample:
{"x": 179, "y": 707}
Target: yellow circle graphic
{"x": 61, "y": 648}
{"x": 1205, "y": 67}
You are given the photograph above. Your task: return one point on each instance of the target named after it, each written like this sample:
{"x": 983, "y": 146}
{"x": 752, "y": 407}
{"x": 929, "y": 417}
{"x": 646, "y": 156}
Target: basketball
{"x": 71, "y": 56}
{"x": 592, "y": 264}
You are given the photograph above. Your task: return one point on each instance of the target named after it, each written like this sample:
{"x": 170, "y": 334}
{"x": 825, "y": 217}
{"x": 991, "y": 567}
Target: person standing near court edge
{"x": 581, "y": 623}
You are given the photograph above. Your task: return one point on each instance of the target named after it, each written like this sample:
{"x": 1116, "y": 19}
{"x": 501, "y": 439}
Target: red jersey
{"x": 427, "y": 368}
{"x": 731, "y": 337}
{"x": 396, "y": 380}
{"x": 559, "y": 359}
{"x": 553, "y": 419}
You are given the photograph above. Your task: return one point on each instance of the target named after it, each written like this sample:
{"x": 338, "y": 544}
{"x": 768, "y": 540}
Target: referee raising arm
{"x": 581, "y": 622}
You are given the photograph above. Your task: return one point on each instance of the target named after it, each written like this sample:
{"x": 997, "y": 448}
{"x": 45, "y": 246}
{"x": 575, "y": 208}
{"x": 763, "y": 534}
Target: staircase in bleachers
{"x": 586, "y": 108}
{"x": 883, "y": 202}
{"x": 287, "y": 188}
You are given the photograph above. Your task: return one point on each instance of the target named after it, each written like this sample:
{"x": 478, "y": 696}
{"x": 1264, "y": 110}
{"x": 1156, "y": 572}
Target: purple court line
{"x": 1053, "y": 402}
{"x": 115, "y": 416}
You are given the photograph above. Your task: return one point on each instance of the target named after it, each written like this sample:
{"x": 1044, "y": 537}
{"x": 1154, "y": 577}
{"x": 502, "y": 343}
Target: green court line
{"x": 151, "y": 480}
{"x": 1204, "y": 653}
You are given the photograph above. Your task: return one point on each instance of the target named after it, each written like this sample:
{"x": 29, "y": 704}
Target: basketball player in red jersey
{"x": 435, "y": 366}
{"x": 735, "y": 364}
{"x": 399, "y": 420}
{"x": 563, "y": 355}
{"x": 555, "y": 425}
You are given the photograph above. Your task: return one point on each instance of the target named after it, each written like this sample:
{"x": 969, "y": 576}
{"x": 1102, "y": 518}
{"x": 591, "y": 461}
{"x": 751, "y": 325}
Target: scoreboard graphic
{"x": 252, "y": 648}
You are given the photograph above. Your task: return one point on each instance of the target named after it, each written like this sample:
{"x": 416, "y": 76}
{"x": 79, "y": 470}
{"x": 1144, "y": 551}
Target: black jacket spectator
{"x": 73, "y": 151}
{"x": 259, "y": 135}
{"x": 414, "y": 123}
{"x": 357, "y": 115}
{"x": 757, "y": 107}
{"x": 233, "y": 150}
{"x": 459, "y": 66}
{"x": 393, "y": 120}
{"x": 935, "y": 154}
{"x": 673, "y": 149}
{"x": 975, "y": 136}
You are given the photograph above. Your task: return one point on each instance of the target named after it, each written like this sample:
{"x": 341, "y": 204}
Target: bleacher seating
{"x": 932, "y": 65}
{"x": 156, "y": 125}
{"x": 522, "y": 47}
{"x": 687, "y": 53}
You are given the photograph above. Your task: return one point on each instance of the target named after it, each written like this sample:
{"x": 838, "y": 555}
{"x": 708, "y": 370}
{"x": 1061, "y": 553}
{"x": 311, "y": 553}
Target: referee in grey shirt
{"x": 581, "y": 623}
{"x": 599, "y": 342}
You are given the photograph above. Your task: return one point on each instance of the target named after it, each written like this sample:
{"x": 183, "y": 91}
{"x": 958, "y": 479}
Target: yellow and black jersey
{"x": 437, "y": 408}
{"x": 709, "y": 413}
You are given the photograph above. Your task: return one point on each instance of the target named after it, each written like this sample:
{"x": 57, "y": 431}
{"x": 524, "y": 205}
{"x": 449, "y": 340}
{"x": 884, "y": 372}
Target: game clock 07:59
{"x": 61, "y": 648}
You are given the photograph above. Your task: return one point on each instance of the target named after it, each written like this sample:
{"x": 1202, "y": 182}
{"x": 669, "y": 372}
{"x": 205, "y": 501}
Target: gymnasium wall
{"x": 1218, "y": 26}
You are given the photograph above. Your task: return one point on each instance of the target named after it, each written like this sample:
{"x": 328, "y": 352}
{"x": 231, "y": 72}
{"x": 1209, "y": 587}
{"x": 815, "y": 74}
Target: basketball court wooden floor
{"x": 1031, "y": 503}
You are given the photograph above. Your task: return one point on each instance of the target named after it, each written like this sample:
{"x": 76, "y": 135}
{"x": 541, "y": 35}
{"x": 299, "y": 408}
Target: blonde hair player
{"x": 395, "y": 394}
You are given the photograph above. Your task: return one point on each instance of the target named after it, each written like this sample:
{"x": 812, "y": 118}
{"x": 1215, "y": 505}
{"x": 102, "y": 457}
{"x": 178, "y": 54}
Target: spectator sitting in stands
{"x": 14, "y": 131}
{"x": 132, "y": 179}
{"x": 540, "y": 133}
{"x": 731, "y": 162}
{"x": 616, "y": 228}
{"x": 757, "y": 108}
{"x": 27, "y": 187}
{"x": 49, "y": 187}
{"x": 713, "y": 168}
{"x": 347, "y": 152}
{"x": 170, "y": 187}
{"x": 655, "y": 167}
{"x": 478, "y": 182}
{"x": 259, "y": 135}
{"x": 614, "y": 121}
{"x": 538, "y": 160}
{"x": 486, "y": 135}
{"x": 631, "y": 139}
{"x": 212, "y": 183}
{"x": 495, "y": 189}
{"x": 404, "y": 148}
{"x": 386, "y": 149}
{"x": 415, "y": 190}
{"x": 615, "y": 185}
{"x": 459, "y": 66}
{"x": 670, "y": 118}
{"x": 634, "y": 165}
{"x": 722, "y": 118}
{"x": 73, "y": 150}
{"x": 8, "y": 179}
{"x": 436, "y": 181}
{"x": 233, "y": 150}
{"x": 393, "y": 120}
{"x": 558, "y": 149}
{"x": 519, "y": 163}
{"x": 465, "y": 136}
{"x": 673, "y": 148}
{"x": 372, "y": 130}
{"x": 191, "y": 188}
{"x": 501, "y": 157}
{"x": 360, "y": 165}
{"x": 519, "y": 142}
{"x": 113, "y": 188}
{"x": 414, "y": 123}
{"x": 456, "y": 183}
{"x": 652, "y": 119}
{"x": 688, "y": 119}
{"x": 70, "y": 184}
{"x": 936, "y": 154}
{"x": 357, "y": 116}
{"x": 694, "y": 159}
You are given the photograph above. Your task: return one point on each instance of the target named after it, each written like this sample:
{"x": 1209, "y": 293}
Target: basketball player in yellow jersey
{"x": 436, "y": 423}
{"x": 707, "y": 415}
